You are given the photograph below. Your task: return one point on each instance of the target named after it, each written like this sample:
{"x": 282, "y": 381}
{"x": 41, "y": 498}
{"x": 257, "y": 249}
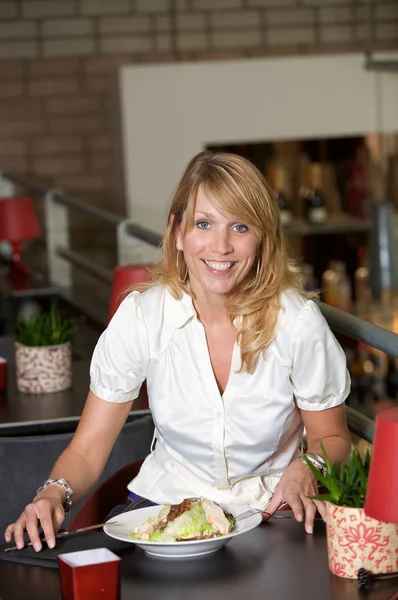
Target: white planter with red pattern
{"x": 357, "y": 541}
{"x": 43, "y": 369}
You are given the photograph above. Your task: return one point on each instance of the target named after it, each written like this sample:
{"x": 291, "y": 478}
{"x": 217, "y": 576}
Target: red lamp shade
{"x": 124, "y": 278}
{"x": 381, "y": 500}
{"x": 18, "y": 220}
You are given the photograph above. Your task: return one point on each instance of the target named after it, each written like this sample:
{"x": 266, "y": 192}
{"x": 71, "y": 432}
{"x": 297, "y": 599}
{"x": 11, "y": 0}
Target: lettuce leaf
{"x": 191, "y": 523}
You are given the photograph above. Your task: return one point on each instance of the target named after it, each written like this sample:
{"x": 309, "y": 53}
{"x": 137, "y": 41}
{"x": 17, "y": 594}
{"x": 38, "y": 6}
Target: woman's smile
{"x": 219, "y": 267}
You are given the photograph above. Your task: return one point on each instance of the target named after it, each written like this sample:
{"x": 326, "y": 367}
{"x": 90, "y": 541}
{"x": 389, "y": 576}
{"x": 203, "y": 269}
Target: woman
{"x": 236, "y": 357}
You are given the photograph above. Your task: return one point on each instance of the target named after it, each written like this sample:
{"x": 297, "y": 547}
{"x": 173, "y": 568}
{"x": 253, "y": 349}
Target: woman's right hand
{"x": 48, "y": 512}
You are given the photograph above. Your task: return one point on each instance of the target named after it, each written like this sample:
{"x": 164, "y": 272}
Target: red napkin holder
{"x": 90, "y": 574}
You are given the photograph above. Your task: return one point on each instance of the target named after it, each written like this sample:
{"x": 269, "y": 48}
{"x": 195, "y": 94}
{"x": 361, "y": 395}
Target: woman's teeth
{"x": 218, "y": 266}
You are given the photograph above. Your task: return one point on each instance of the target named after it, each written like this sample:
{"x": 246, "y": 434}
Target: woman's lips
{"x": 219, "y": 266}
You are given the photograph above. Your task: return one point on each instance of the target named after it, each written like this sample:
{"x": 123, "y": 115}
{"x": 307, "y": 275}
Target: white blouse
{"x": 232, "y": 447}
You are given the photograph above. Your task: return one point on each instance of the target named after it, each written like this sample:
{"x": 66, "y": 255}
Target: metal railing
{"x": 360, "y": 329}
{"x": 386, "y": 65}
{"x": 57, "y": 206}
{"x": 61, "y": 257}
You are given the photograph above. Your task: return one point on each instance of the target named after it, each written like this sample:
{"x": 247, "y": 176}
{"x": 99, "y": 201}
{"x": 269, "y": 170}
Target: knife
{"x": 62, "y": 534}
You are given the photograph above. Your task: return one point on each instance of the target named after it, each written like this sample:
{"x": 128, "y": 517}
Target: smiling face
{"x": 219, "y": 251}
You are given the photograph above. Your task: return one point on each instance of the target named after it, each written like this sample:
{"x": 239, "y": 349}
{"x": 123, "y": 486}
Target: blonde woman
{"x": 237, "y": 360}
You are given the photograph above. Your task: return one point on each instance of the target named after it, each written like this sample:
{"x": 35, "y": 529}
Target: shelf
{"x": 339, "y": 224}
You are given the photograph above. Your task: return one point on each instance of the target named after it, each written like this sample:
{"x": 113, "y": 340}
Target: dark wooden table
{"x": 55, "y": 412}
{"x": 275, "y": 561}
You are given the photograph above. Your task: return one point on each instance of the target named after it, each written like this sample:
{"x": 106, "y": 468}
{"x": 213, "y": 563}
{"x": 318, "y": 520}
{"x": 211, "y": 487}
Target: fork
{"x": 254, "y": 511}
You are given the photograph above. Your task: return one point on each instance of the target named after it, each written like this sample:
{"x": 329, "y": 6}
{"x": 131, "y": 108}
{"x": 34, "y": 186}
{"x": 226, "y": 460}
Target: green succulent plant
{"x": 44, "y": 329}
{"x": 344, "y": 483}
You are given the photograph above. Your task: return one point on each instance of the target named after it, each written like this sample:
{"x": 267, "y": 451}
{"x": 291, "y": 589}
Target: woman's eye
{"x": 240, "y": 228}
{"x": 203, "y": 224}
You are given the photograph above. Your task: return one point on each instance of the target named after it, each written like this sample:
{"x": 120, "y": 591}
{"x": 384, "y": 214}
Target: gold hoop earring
{"x": 178, "y": 269}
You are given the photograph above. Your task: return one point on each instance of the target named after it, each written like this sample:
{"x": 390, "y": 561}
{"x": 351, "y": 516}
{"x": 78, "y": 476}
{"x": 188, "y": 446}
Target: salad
{"x": 192, "y": 519}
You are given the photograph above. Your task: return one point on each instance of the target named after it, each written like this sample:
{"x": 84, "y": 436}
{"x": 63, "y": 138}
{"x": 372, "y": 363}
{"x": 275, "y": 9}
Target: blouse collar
{"x": 178, "y": 312}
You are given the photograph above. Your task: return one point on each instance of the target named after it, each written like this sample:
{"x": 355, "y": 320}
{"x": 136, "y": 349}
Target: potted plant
{"x": 43, "y": 352}
{"x": 356, "y": 543}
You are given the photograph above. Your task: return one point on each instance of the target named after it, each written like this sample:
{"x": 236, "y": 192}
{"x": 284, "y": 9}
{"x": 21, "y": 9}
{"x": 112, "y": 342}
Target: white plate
{"x": 128, "y": 522}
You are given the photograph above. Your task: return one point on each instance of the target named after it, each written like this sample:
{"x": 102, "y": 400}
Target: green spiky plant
{"x": 345, "y": 483}
{"x": 44, "y": 329}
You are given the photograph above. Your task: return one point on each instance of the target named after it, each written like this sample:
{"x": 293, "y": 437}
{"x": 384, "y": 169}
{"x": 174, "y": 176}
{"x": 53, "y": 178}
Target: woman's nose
{"x": 222, "y": 243}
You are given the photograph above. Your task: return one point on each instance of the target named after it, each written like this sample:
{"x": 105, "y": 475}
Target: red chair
{"x": 125, "y": 278}
{"x": 110, "y": 493}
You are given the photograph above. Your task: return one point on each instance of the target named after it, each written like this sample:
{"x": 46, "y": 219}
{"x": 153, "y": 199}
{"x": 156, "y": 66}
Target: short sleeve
{"x": 120, "y": 359}
{"x": 319, "y": 371}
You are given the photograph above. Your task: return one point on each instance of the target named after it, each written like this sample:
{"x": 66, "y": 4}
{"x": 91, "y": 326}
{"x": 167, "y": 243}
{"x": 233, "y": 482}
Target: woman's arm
{"x": 118, "y": 368}
{"x": 81, "y": 464}
{"x": 91, "y": 445}
{"x": 329, "y": 427}
{"x": 320, "y": 383}
{"x": 298, "y": 482}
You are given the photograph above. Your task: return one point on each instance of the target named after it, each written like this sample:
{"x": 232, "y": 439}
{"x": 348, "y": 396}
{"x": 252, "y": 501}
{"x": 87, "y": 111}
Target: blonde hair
{"x": 235, "y": 186}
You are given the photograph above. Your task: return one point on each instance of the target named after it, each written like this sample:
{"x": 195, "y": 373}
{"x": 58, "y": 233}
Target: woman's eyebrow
{"x": 206, "y": 214}
{"x": 200, "y": 213}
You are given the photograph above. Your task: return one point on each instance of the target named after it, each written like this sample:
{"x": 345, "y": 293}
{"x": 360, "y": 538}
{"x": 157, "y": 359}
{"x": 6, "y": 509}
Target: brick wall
{"x": 59, "y": 58}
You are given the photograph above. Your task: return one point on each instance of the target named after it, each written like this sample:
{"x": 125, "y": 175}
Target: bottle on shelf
{"x": 329, "y": 284}
{"x": 337, "y": 289}
{"x": 276, "y": 176}
{"x": 343, "y": 287}
{"x": 363, "y": 296}
{"x": 315, "y": 210}
{"x": 357, "y": 195}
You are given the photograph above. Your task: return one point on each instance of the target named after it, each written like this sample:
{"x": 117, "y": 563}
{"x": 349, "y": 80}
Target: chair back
{"x": 26, "y": 461}
{"x": 109, "y": 494}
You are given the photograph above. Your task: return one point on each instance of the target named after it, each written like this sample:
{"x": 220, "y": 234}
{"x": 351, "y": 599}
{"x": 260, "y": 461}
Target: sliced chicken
{"x": 145, "y": 530}
{"x": 215, "y": 516}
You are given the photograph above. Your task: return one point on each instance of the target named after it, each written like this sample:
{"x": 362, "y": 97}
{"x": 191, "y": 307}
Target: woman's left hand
{"x": 294, "y": 487}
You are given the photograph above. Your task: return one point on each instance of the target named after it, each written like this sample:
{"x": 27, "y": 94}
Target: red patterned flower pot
{"x": 43, "y": 368}
{"x": 357, "y": 541}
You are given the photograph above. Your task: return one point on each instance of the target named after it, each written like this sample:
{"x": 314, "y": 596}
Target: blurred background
{"x": 103, "y": 103}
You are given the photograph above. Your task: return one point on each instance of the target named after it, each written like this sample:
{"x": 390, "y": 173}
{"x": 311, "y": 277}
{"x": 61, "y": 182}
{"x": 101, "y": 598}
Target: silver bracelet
{"x": 317, "y": 460}
{"x": 65, "y": 486}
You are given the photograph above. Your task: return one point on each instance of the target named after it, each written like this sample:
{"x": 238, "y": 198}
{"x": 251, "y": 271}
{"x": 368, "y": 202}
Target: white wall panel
{"x": 171, "y": 112}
